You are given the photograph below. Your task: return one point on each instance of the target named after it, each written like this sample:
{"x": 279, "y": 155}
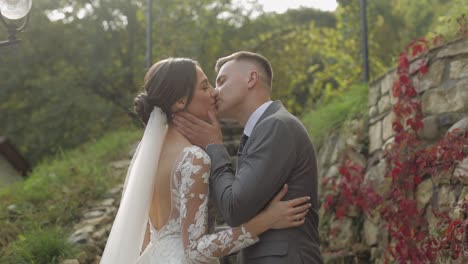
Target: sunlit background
{"x": 282, "y": 6}
{"x": 68, "y": 81}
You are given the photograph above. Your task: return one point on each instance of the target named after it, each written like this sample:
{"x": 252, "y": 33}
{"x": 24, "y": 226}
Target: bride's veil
{"x": 125, "y": 240}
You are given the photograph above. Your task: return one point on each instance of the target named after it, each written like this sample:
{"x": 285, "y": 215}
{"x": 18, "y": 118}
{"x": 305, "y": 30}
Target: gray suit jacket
{"x": 278, "y": 151}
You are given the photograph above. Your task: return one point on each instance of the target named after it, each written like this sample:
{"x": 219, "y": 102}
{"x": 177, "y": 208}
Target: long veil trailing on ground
{"x": 125, "y": 240}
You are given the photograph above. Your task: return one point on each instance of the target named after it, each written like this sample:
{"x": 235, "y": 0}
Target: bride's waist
{"x": 158, "y": 238}
{"x": 163, "y": 250}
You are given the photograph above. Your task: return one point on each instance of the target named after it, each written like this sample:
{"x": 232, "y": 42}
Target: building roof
{"x": 12, "y": 155}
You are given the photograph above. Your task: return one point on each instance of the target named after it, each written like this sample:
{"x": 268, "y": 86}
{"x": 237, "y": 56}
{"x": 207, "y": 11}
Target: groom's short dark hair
{"x": 249, "y": 56}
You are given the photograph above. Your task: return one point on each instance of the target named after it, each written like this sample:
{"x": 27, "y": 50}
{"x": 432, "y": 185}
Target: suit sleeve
{"x": 265, "y": 167}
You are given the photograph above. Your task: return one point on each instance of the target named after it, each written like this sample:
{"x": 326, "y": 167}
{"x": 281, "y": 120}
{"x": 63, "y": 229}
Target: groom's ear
{"x": 253, "y": 79}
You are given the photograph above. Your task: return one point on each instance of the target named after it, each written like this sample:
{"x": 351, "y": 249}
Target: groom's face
{"x": 231, "y": 88}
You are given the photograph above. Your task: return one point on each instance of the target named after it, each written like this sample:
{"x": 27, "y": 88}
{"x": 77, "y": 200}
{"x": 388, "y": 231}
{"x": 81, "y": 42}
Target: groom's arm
{"x": 264, "y": 169}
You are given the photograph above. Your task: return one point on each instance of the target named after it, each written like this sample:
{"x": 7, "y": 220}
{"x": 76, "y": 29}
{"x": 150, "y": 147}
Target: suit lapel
{"x": 272, "y": 109}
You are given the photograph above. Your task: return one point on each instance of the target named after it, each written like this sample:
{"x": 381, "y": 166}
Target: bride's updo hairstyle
{"x": 165, "y": 83}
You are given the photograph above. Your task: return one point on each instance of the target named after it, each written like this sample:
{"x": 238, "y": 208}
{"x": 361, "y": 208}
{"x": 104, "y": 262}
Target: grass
{"x": 41, "y": 246}
{"x": 330, "y": 116}
{"x": 36, "y": 215}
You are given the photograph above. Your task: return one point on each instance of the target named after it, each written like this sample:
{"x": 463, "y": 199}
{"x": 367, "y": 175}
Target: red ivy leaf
{"x": 417, "y": 49}
{"x": 397, "y": 126}
{"x": 423, "y": 69}
{"x": 403, "y": 62}
{"x": 417, "y": 179}
{"x": 395, "y": 173}
{"x": 396, "y": 89}
{"x": 339, "y": 213}
{"x": 329, "y": 200}
{"x": 405, "y": 80}
{"x": 411, "y": 92}
{"x": 344, "y": 171}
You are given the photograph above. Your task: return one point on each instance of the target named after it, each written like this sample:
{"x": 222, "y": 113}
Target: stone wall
{"x": 443, "y": 92}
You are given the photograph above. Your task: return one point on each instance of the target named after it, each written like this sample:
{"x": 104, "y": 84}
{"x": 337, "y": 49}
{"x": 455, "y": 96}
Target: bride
{"x": 163, "y": 213}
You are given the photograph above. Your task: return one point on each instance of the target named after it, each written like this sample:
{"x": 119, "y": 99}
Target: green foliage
{"x": 391, "y": 25}
{"x": 47, "y": 89}
{"x": 72, "y": 79}
{"x": 454, "y": 23}
{"x": 311, "y": 59}
{"x": 43, "y": 246}
{"x": 331, "y": 115}
{"x": 51, "y": 197}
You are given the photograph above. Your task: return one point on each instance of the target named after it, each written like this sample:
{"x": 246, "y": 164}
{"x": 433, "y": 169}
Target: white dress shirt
{"x": 253, "y": 119}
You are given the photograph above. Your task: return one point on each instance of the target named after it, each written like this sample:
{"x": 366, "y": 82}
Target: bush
{"x": 330, "y": 116}
{"x": 39, "y": 246}
{"x": 454, "y": 23}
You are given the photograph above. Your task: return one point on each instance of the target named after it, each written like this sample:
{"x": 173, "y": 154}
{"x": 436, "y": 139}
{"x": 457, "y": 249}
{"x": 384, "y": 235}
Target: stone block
{"x": 373, "y": 111}
{"x": 430, "y": 131}
{"x": 446, "y": 197}
{"x": 424, "y": 193}
{"x": 327, "y": 148}
{"x": 376, "y": 173}
{"x": 415, "y": 65}
{"x": 384, "y": 104}
{"x": 387, "y": 82}
{"x": 370, "y": 231}
{"x": 431, "y": 79}
{"x": 460, "y": 125}
{"x": 82, "y": 236}
{"x": 459, "y": 69}
{"x": 357, "y": 158}
{"x": 375, "y": 137}
{"x": 101, "y": 234}
{"x": 344, "y": 234}
{"x": 333, "y": 172}
{"x": 459, "y": 211}
{"x": 337, "y": 150}
{"x": 453, "y": 99}
{"x": 461, "y": 171}
{"x": 374, "y": 94}
{"x": 387, "y": 126}
{"x": 106, "y": 202}
{"x": 453, "y": 49}
{"x": 121, "y": 164}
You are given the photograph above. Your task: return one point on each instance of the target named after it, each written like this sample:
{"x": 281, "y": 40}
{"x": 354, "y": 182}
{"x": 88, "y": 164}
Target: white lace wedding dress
{"x": 184, "y": 238}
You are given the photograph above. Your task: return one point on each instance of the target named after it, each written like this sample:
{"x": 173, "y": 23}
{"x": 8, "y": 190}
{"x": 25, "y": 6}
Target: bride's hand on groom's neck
{"x": 197, "y": 131}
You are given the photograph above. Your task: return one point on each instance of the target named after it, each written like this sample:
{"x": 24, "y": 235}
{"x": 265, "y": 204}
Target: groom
{"x": 274, "y": 150}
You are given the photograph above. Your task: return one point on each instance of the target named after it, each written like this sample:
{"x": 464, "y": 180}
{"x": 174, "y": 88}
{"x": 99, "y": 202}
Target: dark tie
{"x": 243, "y": 139}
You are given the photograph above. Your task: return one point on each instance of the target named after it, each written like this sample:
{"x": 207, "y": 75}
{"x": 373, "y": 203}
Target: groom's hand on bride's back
{"x": 197, "y": 131}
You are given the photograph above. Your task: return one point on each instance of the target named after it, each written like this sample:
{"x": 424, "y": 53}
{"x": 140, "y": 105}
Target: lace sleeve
{"x": 194, "y": 192}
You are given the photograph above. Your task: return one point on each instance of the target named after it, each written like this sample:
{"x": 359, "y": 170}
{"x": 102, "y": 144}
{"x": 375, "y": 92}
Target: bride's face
{"x": 203, "y": 98}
